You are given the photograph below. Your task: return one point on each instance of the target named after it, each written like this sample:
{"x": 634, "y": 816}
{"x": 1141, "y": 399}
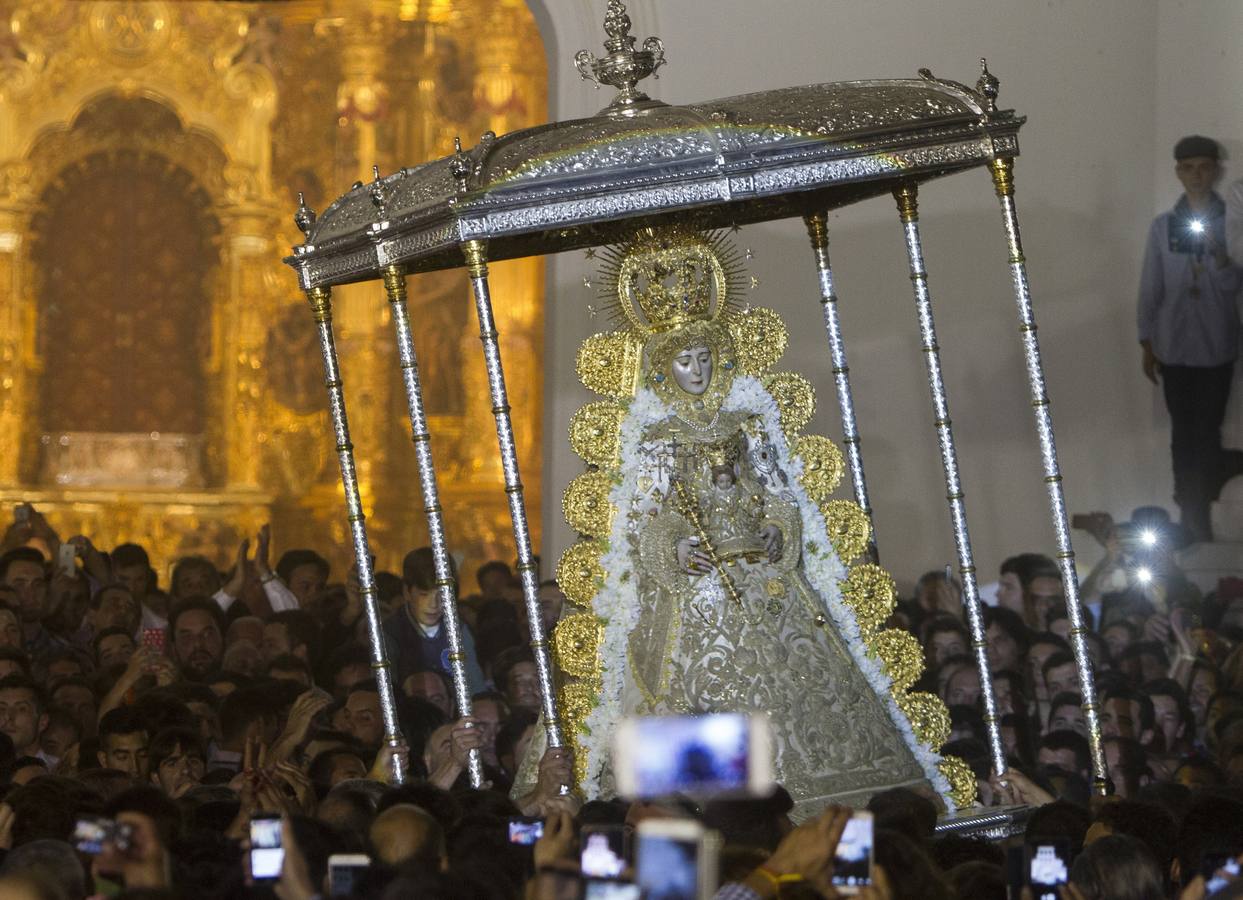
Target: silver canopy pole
{"x": 477, "y": 265}
{"x": 1003, "y": 181}
{"x": 818, "y": 231}
{"x": 446, "y": 585}
{"x": 908, "y": 210}
{"x": 320, "y": 299}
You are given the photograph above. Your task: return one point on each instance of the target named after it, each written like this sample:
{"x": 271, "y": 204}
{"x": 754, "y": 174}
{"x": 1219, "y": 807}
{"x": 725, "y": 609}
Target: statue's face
{"x": 692, "y": 369}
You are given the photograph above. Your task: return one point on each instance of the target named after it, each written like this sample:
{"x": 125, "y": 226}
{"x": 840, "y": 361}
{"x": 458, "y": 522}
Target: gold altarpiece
{"x": 148, "y": 395}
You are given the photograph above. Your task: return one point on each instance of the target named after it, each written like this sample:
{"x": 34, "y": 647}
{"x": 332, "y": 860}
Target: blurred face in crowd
{"x": 247, "y": 628}
{"x": 10, "y": 667}
{"x": 276, "y": 641}
{"x": 125, "y": 752}
{"x": 243, "y": 658}
{"x": 118, "y": 608}
{"x": 522, "y": 686}
{"x": 1063, "y": 759}
{"x": 1203, "y": 686}
{"x": 1045, "y": 595}
{"x": 1037, "y": 654}
{"x": 938, "y": 595}
{"x": 1062, "y": 678}
{"x": 197, "y": 643}
{"x": 1121, "y": 718}
{"x": 430, "y": 687}
{"x": 1197, "y": 174}
{"x": 944, "y": 644}
{"x": 136, "y": 578}
{"x": 1003, "y": 696}
{"x": 551, "y": 602}
{"x": 79, "y": 702}
{"x": 208, "y": 721}
{"x": 195, "y": 579}
{"x": 1010, "y": 593}
{"x": 425, "y": 605}
{"x": 1003, "y": 650}
{"x": 488, "y": 714}
{"x": 1117, "y": 638}
{"x": 305, "y": 581}
{"x": 179, "y": 771}
{"x": 511, "y": 761}
{"x": 58, "y": 737}
{"x": 348, "y": 676}
{"x": 492, "y": 585}
{"x": 10, "y": 629}
{"x": 22, "y": 720}
{"x": 1068, "y": 718}
{"x": 362, "y": 717}
{"x": 964, "y": 687}
{"x": 1169, "y": 720}
{"x": 30, "y": 584}
{"x": 115, "y": 649}
{"x": 346, "y": 766}
{"x": 62, "y": 668}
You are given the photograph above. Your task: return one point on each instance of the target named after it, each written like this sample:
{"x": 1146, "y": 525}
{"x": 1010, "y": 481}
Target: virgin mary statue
{"x": 711, "y": 570}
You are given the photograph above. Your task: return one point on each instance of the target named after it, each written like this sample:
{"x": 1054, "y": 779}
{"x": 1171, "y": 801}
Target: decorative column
{"x": 1003, "y": 181}
{"x": 19, "y": 362}
{"x": 818, "y": 231}
{"x": 908, "y": 211}
{"x": 477, "y": 265}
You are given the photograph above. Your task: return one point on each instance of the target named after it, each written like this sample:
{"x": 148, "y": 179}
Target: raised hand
{"x": 233, "y": 587}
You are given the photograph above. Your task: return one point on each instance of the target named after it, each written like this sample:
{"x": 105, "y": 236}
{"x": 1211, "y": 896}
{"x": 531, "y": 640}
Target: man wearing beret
{"x": 1189, "y": 329}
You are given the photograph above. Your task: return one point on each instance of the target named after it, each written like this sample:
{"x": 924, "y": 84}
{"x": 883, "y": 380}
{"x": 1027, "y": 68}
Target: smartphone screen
{"x": 90, "y": 833}
{"x": 1048, "y": 868}
{"x": 603, "y": 852}
{"x": 611, "y": 890}
{"x": 852, "y": 861}
{"x": 715, "y": 754}
{"x": 154, "y": 638}
{"x": 667, "y": 867}
{"x": 525, "y": 830}
{"x": 267, "y": 856}
{"x": 344, "y": 871}
{"x": 67, "y": 559}
{"x": 1220, "y": 870}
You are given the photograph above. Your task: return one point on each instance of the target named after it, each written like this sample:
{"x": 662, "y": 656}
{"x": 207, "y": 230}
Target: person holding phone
{"x": 1189, "y": 328}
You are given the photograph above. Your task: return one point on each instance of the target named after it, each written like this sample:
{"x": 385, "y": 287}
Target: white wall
{"x": 1084, "y": 74}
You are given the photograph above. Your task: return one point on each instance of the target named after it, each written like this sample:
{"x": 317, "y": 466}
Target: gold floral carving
{"x": 870, "y": 591}
{"x": 901, "y": 657}
{"x": 796, "y": 399}
{"x": 822, "y": 465}
{"x": 576, "y": 699}
{"x": 579, "y": 573}
{"x": 608, "y": 363}
{"x": 586, "y": 504}
{"x": 760, "y": 338}
{"x": 594, "y": 433}
{"x": 962, "y": 780}
{"x": 575, "y": 641}
{"x": 849, "y": 528}
{"x": 928, "y": 717}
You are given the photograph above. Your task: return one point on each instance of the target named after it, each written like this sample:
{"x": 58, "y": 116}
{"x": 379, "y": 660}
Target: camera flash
{"x": 1149, "y": 538}
{"x": 1197, "y": 226}
{"x": 1143, "y": 575}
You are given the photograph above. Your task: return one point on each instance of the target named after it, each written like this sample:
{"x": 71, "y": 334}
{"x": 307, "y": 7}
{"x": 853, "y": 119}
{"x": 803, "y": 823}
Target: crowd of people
{"x": 171, "y": 716}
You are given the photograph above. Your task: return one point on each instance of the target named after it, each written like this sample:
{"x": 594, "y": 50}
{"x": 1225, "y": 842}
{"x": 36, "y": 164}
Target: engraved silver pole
{"x": 477, "y": 264}
{"x": 818, "y": 231}
{"x": 446, "y": 585}
{"x": 908, "y": 210}
{"x": 321, "y": 307}
{"x": 1003, "y": 181}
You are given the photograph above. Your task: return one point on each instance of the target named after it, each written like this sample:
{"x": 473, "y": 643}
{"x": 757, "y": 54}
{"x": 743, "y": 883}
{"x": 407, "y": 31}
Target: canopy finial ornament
{"x": 988, "y": 86}
{"x": 459, "y": 168}
{"x": 378, "y": 198}
{"x": 304, "y": 217}
{"x": 624, "y": 66}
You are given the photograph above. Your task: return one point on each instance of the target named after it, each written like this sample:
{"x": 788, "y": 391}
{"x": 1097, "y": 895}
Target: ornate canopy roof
{"x": 742, "y": 159}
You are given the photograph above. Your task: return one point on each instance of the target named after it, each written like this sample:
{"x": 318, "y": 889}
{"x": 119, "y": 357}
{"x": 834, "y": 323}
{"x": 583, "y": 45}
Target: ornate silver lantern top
{"x": 749, "y": 158}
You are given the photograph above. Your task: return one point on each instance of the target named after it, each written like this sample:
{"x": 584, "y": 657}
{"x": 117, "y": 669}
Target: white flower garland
{"x": 617, "y": 601}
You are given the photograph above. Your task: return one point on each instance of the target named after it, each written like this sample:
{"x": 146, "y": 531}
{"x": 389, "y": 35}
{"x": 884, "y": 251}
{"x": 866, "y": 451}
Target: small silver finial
{"x": 378, "y": 195}
{"x": 988, "y": 86}
{"x": 624, "y": 66}
{"x": 459, "y": 167}
{"x": 304, "y": 218}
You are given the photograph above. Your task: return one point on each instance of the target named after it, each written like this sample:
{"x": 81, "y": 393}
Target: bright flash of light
{"x": 1149, "y": 538}
{"x": 1143, "y": 575}
{"x": 1197, "y": 226}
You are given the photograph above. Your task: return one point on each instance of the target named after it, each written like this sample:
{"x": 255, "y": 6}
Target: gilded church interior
{"x": 159, "y": 377}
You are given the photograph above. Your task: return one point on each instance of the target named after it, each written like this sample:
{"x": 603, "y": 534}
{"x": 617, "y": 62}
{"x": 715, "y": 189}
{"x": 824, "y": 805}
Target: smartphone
{"x": 344, "y": 871}
{"x": 90, "y": 833}
{"x": 676, "y": 859}
{"x": 1219, "y": 870}
{"x": 605, "y": 889}
{"x": 717, "y": 754}
{"x": 525, "y": 830}
{"x": 603, "y": 853}
{"x": 852, "y": 861}
{"x": 1048, "y": 868}
{"x": 67, "y": 559}
{"x": 267, "y": 856}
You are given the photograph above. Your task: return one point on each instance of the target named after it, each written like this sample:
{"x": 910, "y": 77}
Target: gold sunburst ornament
{"x": 962, "y": 780}
{"x": 579, "y": 573}
{"x": 822, "y": 465}
{"x": 849, "y": 528}
{"x": 901, "y": 656}
{"x": 928, "y": 715}
{"x": 576, "y": 644}
{"x": 871, "y": 593}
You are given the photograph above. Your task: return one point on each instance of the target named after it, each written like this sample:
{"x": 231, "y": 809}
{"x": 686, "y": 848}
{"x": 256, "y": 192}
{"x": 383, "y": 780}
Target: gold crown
{"x": 664, "y": 278}
{"x": 724, "y": 453}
